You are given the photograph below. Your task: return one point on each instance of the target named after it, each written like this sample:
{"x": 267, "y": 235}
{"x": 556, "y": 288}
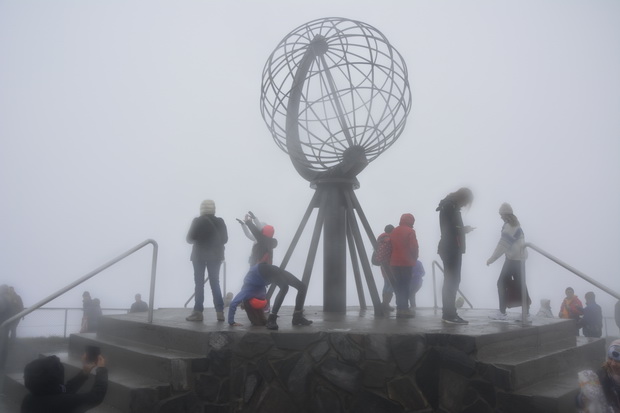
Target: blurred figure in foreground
{"x": 451, "y": 249}
{"x": 600, "y": 390}
{"x": 592, "y": 320}
{"x": 45, "y": 379}
{"x": 545, "y": 309}
{"x": 139, "y": 306}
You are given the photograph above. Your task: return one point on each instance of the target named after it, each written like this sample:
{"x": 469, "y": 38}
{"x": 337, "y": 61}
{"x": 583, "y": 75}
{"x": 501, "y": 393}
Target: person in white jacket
{"x": 512, "y": 245}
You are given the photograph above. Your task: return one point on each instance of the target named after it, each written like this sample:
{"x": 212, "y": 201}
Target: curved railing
{"x": 25, "y": 312}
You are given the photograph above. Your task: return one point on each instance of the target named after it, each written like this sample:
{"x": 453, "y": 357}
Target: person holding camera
{"x": 45, "y": 379}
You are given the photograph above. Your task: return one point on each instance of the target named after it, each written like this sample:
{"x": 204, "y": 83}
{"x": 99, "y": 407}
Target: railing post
{"x": 66, "y": 314}
{"x": 153, "y": 275}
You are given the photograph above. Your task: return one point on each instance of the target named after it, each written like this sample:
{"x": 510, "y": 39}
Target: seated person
{"x": 255, "y": 286}
{"x": 44, "y": 378}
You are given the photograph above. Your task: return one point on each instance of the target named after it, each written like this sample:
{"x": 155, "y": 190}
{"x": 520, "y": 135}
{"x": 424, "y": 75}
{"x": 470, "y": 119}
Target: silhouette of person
{"x": 592, "y": 320}
{"x": 138, "y": 306}
{"x": 451, "y": 249}
{"x": 208, "y": 235}
{"x": 16, "y": 306}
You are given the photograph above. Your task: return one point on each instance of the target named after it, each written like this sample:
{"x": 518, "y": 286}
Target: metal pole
{"x": 66, "y": 314}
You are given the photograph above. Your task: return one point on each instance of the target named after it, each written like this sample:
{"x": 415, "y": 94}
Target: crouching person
{"x": 45, "y": 379}
{"x": 253, "y": 294}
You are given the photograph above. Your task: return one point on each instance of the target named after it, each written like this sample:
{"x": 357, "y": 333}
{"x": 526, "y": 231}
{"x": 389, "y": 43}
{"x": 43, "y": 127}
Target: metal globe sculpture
{"x": 335, "y": 95}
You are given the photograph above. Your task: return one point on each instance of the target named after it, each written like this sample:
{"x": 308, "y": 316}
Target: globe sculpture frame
{"x": 335, "y": 95}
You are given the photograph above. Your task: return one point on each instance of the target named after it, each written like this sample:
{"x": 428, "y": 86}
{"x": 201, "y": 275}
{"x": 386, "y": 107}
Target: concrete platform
{"x": 350, "y": 362}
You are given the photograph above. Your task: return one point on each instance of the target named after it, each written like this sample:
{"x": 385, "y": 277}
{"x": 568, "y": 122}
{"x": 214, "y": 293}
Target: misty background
{"x": 117, "y": 118}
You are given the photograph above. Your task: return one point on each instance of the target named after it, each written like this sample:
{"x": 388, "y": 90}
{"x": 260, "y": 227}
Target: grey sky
{"x": 117, "y": 118}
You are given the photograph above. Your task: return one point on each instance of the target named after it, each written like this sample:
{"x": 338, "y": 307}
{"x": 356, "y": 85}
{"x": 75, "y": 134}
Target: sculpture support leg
{"x": 334, "y": 251}
{"x": 356, "y": 269}
{"x": 370, "y": 281}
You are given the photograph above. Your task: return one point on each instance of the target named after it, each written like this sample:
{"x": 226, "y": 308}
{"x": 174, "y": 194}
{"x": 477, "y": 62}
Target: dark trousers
{"x": 213, "y": 270}
{"x": 511, "y": 270}
{"x": 283, "y": 279}
{"x": 402, "y": 281}
{"x": 451, "y": 281}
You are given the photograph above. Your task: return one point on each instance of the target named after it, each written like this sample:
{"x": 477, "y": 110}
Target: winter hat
{"x": 207, "y": 207}
{"x": 613, "y": 352}
{"x": 268, "y": 231}
{"x": 257, "y": 303}
{"x": 505, "y": 209}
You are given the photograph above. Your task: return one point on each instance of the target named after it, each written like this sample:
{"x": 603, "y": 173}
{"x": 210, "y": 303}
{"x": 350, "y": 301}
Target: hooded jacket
{"x": 208, "y": 234}
{"x": 404, "y": 243}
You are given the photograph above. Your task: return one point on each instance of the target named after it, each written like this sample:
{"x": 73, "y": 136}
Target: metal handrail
{"x": 573, "y": 270}
{"x": 436, "y": 264}
{"x": 77, "y": 282}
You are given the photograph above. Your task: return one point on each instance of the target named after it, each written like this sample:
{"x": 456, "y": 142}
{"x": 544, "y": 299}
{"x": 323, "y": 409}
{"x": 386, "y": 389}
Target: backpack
{"x": 381, "y": 256}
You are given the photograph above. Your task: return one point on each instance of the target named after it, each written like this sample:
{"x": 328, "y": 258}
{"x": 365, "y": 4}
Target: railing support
{"x": 573, "y": 270}
{"x": 25, "y": 312}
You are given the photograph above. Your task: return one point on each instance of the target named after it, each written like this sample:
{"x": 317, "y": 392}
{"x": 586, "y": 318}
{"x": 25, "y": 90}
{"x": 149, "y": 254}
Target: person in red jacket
{"x": 403, "y": 259}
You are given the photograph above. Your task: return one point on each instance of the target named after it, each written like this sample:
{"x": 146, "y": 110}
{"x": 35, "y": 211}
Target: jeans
{"x": 213, "y": 270}
{"x": 402, "y": 280}
{"x": 451, "y": 281}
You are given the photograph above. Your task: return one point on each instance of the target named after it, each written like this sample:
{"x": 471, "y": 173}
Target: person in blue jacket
{"x": 255, "y": 287}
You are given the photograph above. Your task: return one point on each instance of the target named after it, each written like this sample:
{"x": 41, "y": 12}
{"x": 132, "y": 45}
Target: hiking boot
{"x": 220, "y": 316}
{"x": 300, "y": 320}
{"x": 271, "y": 322}
{"x": 404, "y": 313}
{"x": 194, "y": 316}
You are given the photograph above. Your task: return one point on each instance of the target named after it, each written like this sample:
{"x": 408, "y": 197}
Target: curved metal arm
{"x": 573, "y": 270}
{"x": 79, "y": 281}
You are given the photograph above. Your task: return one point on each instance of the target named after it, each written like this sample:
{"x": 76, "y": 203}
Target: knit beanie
{"x": 505, "y": 209}
{"x": 207, "y": 207}
{"x": 268, "y": 231}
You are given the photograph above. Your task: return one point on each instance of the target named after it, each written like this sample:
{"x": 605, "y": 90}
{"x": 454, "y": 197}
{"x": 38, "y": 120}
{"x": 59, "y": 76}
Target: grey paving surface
{"x": 354, "y": 320}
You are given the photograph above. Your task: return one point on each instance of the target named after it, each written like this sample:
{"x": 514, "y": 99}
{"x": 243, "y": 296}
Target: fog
{"x": 117, "y": 118}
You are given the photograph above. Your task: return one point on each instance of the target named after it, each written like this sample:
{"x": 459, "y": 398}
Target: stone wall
{"x": 339, "y": 372}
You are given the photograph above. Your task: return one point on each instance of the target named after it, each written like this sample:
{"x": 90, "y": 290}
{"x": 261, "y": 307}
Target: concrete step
{"x": 556, "y": 395}
{"x": 128, "y": 391}
{"x": 511, "y": 337}
{"x": 170, "y": 366}
{"x": 172, "y": 331}
{"x": 524, "y": 368}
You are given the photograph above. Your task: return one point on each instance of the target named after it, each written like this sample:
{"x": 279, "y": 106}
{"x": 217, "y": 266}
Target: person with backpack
{"x": 207, "y": 234}
{"x": 402, "y": 260}
{"x": 381, "y": 257}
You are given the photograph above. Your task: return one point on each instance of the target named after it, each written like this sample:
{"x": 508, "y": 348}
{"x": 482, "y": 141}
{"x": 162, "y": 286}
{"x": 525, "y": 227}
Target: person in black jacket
{"x": 44, "y": 378}
{"x": 208, "y": 234}
{"x": 452, "y": 247}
